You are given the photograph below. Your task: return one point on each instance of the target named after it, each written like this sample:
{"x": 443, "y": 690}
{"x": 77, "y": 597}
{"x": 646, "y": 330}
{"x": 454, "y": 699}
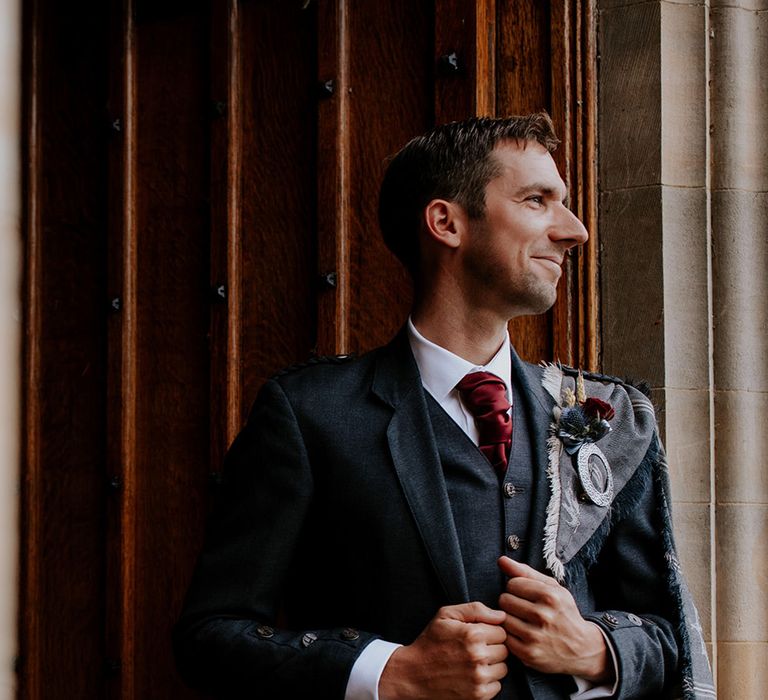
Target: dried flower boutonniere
{"x": 579, "y": 424}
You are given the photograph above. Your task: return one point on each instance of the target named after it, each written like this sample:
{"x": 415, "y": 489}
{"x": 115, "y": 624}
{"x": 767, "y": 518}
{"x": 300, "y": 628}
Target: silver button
{"x": 349, "y": 634}
{"x": 635, "y": 620}
{"x": 513, "y": 542}
{"x": 308, "y": 638}
{"x": 511, "y": 490}
{"x": 610, "y": 620}
{"x": 265, "y": 631}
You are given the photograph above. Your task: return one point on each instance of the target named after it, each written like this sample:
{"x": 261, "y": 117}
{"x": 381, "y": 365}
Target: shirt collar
{"x": 441, "y": 370}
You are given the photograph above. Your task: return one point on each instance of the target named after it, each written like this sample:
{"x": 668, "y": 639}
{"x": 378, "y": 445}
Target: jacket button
{"x": 610, "y": 620}
{"x": 350, "y": 635}
{"x": 265, "y": 631}
{"x": 511, "y": 490}
{"x": 308, "y": 638}
{"x": 634, "y": 619}
{"x": 513, "y": 542}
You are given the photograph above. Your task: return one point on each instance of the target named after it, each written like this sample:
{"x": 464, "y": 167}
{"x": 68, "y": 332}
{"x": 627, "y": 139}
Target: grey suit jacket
{"x": 334, "y": 528}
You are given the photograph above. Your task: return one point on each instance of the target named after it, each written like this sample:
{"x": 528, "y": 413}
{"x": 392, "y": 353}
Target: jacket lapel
{"x": 417, "y": 463}
{"x": 538, "y": 405}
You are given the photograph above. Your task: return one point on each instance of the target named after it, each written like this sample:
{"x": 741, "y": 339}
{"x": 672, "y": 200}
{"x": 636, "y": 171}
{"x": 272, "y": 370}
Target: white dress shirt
{"x": 441, "y": 371}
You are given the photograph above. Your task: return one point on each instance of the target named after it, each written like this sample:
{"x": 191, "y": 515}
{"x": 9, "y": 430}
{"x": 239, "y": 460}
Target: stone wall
{"x": 683, "y": 142}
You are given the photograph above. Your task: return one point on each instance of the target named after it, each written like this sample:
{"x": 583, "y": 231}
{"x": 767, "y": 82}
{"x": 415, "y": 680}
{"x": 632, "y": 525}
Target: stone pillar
{"x": 739, "y": 128}
{"x": 656, "y": 240}
{"x": 10, "y": 336}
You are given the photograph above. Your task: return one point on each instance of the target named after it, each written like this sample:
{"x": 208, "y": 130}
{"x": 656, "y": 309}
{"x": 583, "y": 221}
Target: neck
{"x": 472, "y": 334}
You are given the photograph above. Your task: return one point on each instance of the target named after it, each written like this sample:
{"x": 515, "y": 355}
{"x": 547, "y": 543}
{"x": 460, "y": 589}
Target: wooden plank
{"x": 333, "y": 173}
{"x": 279, "y": 188}
{"x": 29, "y": 671}
{"x": 391, "y": 69}
{"x": 61, "y": 615}
{"x": 465, "y": 49}
{"x": 226, "y": 234}
{"x": 122, "y": 371}
{"x": 168, "y": 252}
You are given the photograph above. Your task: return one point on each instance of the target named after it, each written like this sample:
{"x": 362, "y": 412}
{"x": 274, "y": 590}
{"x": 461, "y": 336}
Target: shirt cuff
{"x": 586, "y": 690}
{"x": 363, "y": 683}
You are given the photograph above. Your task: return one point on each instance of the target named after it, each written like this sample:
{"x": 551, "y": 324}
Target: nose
{"x": 569, "y": 230}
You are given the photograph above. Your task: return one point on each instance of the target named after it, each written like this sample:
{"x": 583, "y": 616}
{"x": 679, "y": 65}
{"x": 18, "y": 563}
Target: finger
{"x": 497, "y": 653}
{"x": 472, "y": 612}
{"x": 497, "y": 672}
{"x": 491, "y": 634}
{"x": 490, "y": 690}
{"x": 535, "y": 591}
{"x": 520, "y": 630}
{"x": 513, "y": 568}
{"x": 520, "y": 608}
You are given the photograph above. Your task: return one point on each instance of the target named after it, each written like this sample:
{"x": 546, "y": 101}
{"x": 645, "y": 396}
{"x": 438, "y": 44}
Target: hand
{"x": 546, "y": 630}
{"x": 460, "y": 654}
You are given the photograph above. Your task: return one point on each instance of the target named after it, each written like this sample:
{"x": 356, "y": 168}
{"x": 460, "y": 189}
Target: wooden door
{"x": 201, "y": 189}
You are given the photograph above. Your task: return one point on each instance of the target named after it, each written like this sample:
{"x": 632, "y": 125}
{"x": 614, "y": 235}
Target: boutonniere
{"x": 580, "y": 422}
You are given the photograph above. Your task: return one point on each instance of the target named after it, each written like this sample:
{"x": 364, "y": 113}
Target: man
{"x": 438, "y": 519}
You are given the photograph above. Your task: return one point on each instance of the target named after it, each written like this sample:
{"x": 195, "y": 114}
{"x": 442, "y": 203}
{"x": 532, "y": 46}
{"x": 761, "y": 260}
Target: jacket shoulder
{"x": 628, "y": 383}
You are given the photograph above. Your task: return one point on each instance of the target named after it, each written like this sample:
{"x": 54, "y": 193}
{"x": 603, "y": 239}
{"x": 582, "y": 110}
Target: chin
{"x": 538, "y": 301}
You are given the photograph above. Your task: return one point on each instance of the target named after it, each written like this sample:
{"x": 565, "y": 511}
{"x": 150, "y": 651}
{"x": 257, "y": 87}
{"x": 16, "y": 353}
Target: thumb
{"x": 473, "y": 612}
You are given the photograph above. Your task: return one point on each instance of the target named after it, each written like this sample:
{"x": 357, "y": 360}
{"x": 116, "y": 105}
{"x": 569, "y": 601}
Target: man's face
{"x": 513, "y": 255}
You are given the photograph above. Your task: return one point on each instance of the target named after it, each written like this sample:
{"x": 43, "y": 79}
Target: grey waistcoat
{"x": 487, "y": 510}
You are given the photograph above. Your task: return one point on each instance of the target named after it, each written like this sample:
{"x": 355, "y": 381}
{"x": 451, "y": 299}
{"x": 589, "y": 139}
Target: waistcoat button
{"x": 511, "y": 490}
{"x": 308, "y": 638}
{"x": 513, "y": 542}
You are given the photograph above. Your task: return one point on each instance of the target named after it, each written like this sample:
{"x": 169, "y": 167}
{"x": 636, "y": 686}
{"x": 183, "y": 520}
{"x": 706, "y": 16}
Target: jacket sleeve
{"x": 637, "y": 604}
{"x": 228, "y": 641}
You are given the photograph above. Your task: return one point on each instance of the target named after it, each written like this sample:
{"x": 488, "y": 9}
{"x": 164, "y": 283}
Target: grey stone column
{"x": 739, "y": 127}
{"x": 656, "y": 248}
{"x": 10, "y": 336}
{"x": 683, "y": 148}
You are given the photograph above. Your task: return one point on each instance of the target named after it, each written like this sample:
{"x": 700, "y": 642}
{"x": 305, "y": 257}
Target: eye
{"x": 535, "y": 198}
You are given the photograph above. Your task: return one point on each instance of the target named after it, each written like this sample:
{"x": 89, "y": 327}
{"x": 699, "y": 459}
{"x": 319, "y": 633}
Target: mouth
{"x": 551, "y": 262}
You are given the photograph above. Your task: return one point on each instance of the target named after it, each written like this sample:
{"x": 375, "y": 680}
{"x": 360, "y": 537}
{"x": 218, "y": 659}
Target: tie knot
{"x": 485, "y": 396}
{"x": 483, "y": 393}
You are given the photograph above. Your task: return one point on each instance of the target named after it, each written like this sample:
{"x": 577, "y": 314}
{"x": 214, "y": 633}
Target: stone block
{"x": 683, "y": 94}
{"x": 756, "y": 5}
{"x": 629, "y": 109}
{"x": 742, "y": 573}
{"x": 692, "y": 537}
{"x": 632, "y": 284}
{"x": 740, "y": 261}
{"x": 739, "y": 99}
{"x": 686, "y": 307}
{"x": 741, "y": 460}
{"x": 742, "y": 670}
{"x": 687, "y": 441}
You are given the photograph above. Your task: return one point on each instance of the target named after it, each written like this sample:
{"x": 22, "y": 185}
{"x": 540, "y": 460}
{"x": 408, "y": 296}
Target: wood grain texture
{"x": 226, "y": 230}
{"x": 467, "y": 30}
{"x": 391, "y": 100}
{"x": 170, "y": 299}
{"x": 63, "y": 513}
{"x": 279, "y": 249}
{"x": 333, "y": 176}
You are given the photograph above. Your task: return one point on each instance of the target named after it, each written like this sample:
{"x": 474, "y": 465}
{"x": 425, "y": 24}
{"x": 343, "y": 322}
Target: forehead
{"x": 524, "y": 163}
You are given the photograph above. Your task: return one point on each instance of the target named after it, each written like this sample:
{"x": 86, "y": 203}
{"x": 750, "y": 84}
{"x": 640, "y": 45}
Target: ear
{"x": 444, "y": 222}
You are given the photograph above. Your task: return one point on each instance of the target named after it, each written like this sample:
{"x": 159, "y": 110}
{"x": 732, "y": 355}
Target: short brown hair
{"x": 451, "y": 162}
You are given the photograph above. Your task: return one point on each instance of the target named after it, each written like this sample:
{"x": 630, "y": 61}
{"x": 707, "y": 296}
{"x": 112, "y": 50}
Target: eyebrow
{"x": 542, "y": 188}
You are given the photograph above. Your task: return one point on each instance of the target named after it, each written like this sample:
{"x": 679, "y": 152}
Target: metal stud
{"x": 448, "y": 64}
{"x": 326, "y": 88}
{"x": 328, "y": 280}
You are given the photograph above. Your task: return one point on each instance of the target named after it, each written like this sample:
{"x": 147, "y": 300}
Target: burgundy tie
{"x": 485, "y": 395}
